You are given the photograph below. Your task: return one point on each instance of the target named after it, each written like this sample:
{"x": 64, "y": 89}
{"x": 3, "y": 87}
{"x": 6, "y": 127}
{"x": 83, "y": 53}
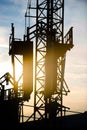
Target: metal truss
{"x": 48, "y": 32}
{"x": 44, "y": 26}
{"x": 8, "y": 94}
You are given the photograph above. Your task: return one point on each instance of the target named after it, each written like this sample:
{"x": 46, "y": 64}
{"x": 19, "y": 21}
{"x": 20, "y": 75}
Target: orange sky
{"x": 76, "y": 59}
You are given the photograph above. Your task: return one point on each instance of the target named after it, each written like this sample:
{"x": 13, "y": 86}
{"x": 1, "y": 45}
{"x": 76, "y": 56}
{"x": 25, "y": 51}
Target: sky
{"x": 13, "y": 11}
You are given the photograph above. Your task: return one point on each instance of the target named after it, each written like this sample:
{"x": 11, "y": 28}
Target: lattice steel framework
{"x": 44, "y": 41}
{"x": 50, "y": 52}
{"x": 44, "y": 28}
{"x": 21, "y": 53}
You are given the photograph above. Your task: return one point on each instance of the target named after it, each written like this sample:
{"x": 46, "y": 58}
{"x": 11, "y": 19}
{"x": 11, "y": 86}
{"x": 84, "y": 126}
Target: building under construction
{"x": 40, "y": 87}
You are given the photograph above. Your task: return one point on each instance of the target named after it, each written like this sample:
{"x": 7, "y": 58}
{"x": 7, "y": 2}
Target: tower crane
{"x": 42, "y": 56}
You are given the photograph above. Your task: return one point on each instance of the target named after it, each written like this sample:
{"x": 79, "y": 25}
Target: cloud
{"x": 4, "y": 39}
{"x": 17, "y": 2}
{"x": 12, "y": 13}
{"x": 77, "y": 56}
{"x": 76, "y": 99}
{"x": 12, "y": 10}
{"x": 76, "y": 69}
{"x": 76, "y": 59}
{"x": 76, "y": 18}
{"x": 5, "y": 61}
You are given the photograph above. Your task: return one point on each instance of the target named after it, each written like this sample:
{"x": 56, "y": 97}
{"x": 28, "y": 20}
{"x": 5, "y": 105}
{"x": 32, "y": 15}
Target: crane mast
{"x": 41, "y": 56}
{"x": 50, "y": 52}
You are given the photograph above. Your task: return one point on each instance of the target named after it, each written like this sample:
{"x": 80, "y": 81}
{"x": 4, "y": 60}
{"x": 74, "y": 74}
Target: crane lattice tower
{"x": 50, "y": 52}
{"x": 41, "y": 55}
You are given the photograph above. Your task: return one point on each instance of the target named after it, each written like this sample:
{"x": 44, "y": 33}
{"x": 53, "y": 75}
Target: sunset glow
{"x": 76, "y": 59}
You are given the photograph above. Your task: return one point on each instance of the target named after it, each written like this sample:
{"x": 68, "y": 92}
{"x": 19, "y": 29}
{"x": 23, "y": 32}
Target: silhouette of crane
{"x": 42, "y": 55}
{"x": 50, "y": 52}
